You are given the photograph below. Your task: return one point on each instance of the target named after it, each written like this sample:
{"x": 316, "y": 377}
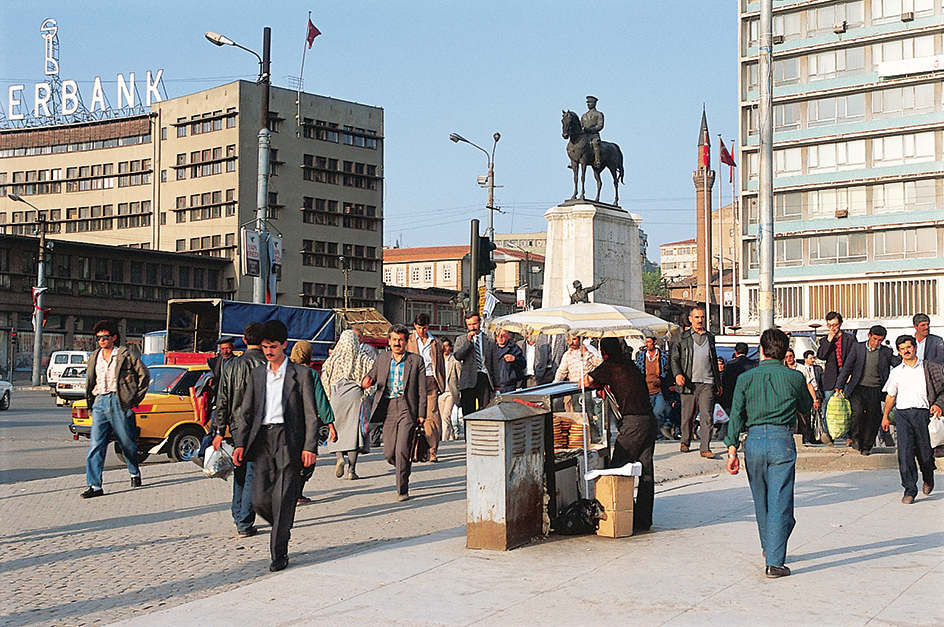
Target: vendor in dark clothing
{"x": 637, "y": 435}
{"x": 511, "y": 362}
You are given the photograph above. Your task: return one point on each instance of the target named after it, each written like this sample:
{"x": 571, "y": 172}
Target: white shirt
{"x": 275, "y": 381}
{"x": 908, "y": 386}
{"x": 106, "y": 380}
{"x": 919, "y": 348}
{"x": 426, "y": 352}
{"x": 530, "y": 351}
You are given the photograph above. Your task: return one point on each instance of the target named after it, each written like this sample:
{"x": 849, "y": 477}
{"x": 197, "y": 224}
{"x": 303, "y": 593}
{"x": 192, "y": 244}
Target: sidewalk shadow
{"x": 891, "y": 548}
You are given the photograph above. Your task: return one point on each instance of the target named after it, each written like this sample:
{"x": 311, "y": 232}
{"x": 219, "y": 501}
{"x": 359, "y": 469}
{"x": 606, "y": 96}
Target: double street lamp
{"x": 40, "y": 284}
{"x": 262, "y": 186}
{"x": 490, "y": 184}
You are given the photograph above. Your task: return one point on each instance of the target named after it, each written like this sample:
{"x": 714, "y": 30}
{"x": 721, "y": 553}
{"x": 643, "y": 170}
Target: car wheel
{"x": 185, "y": 443}
{"x": 142, "y": 453}
{"x": 5, "y": 401}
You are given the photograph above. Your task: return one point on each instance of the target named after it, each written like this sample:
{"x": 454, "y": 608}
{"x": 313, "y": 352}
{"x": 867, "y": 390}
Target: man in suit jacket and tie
{"x": 281, "y": 436}
{"x": 537, "y": 359}
{"x": 479, "y": 371}
{"x": 929, "y": 347}
{"x": 401, "y": 399}
{"x": 430, "y": 348}
{"x": 873, "y": 363}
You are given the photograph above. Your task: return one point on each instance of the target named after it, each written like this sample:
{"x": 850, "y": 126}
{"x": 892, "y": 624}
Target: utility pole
{"x": 765, "y": 227}
{"x": 38, "y": 306}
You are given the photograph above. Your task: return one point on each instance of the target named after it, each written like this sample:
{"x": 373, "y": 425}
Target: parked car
{"x": 71, "y": 385}
{"x": 165, "y": 417}
{"x": 60, "y": 360}
{"x": 6, "y": 391}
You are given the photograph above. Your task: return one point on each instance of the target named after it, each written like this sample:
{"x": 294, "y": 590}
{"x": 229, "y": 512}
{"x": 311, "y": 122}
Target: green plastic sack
{"x": 838, "y": 415}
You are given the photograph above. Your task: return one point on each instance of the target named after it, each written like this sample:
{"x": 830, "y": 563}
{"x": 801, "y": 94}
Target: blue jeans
{"x": 914, "y": 441}
{"x": 109, "y": 418}
{"x": 243, "y": 514}
{"x": 770, "y": 459}
{"x": 659, "y": 409}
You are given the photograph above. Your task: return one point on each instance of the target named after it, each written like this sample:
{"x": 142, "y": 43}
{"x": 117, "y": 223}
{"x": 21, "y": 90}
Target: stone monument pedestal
{"x": 587, "y": 241}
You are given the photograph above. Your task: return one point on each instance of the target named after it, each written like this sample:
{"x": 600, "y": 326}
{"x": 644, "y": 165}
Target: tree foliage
{"x": 653, "y": 285}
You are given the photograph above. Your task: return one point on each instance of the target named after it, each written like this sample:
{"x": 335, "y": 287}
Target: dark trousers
{"x": 703, "y": 401}
{"x": 636, "y": 442}
{"x": 275, "y": 486}
{"x": 914, "y": 441}
{"x": 474, "y": 399}
{"x": 243, "y": 514}
{"x": 866, "y": 406}
{"x": 398, "y": 430}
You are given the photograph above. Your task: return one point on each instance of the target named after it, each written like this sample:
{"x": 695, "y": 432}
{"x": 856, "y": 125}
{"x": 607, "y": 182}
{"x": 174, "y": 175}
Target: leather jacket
{"x": 232, "y": 390}
{"x": 682, "y": 353}
{"x": 133, "y": 378}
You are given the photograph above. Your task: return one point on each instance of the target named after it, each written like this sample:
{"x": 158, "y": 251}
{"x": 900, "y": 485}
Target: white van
{"x": 60, "y": 360}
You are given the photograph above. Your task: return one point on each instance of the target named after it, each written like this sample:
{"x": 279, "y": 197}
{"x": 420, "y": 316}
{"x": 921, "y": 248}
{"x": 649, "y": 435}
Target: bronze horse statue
{"x": 581, "y": 155}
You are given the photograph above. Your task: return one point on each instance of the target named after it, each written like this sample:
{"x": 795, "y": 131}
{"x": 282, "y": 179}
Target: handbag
{"x": 817, "y": 425}
{"x": 419, "y": 448}
{"x": 936, "y": 431}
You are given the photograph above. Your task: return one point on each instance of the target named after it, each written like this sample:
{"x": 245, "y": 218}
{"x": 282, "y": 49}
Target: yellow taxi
{"x": 165, "y": 418}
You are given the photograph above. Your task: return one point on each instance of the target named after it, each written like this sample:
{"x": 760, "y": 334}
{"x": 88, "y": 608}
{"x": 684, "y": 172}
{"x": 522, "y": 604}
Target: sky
{"x": 441, "y": 67}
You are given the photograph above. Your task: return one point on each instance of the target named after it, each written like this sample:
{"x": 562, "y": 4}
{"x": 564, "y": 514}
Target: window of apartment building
{"x": 820, "y": 20}
{"x": 902, "y": 149}
{"x": 888, "y": 11}
{"x": 181, "y": 127}
{"x": 826, "y": 249}
{"x": 901, "y": 298}
{"x": 787, "y": 117}
{"x": 836, "y": 157}
{"x": 788, "y": 206}
{"x": 837, "y": 110}
{"x": 787, "y": 25}
{"x": 387, "y": 275}
{"x": 825, "y": 203}
{"x": 401, "y": 276}
{"x": 275, "y": 124}
{"x": 447, "y": 272}
{"x": 835, "y": 63}
{"x": 415, "y": 274}
{"x": 428, "y": 274}
{"x": 787, "y": 162}
{"x": 231, "y": 158}
{"x": 889, "y": 103}
{"x": 788, "y": 252}
{"x": 786, "y": 71}
{"x": 274, "y": 163}
{"x": 907, "y": 195}
{"x": 900, "y": 49}
{"x": 908, "y": 244}
{"x": 231, "y": 117}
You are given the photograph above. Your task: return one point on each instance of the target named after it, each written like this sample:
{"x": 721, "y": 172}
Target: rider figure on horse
{"x": 592, "y": 123}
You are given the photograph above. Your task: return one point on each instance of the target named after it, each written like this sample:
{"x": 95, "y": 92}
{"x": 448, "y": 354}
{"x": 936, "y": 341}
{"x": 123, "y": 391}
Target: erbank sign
{"x": 53, "y": 97}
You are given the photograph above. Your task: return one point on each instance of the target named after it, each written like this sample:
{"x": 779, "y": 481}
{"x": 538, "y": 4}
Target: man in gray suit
{"x": 401, "y": 398}
{"x": 279, "y": 437}
{"x": 929, "y": 347}
{"x": 537, "y": 360}
{"x": 479, "y": 370}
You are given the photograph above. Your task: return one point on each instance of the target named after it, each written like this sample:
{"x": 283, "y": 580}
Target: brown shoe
{"x": 708, "y": 455}
{"x": 775, "y": 572}
{"x": 825, "y": 439}
{"x": 683, "y": 448}
{"x": 907, "y": 500}
{"x": 926, "y": 487}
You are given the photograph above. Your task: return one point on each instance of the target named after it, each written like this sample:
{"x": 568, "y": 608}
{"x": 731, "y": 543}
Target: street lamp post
{"x": 40, "y": 283}
{"x": 262, "y": 185}
{"x": 490, "y": 183}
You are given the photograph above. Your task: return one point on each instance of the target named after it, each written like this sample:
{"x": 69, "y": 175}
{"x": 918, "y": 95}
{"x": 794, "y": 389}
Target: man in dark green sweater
{"x": 766, "y": 402}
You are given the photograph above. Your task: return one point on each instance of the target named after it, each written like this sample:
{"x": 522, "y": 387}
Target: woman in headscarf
{"x": 301, "y": 354}
{"x": 342, "y": 374}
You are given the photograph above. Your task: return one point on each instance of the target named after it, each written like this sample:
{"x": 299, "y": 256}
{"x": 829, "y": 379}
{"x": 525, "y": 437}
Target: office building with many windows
{"x": 858, "y": 158}
{"x": 183, "y": 178}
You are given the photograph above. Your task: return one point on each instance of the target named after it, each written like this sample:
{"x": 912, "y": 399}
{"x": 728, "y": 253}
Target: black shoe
{"x": 248, "y": 532}
{"x": 91, "y": 493}
{"x": 865, "y": 451}
{"x": 278, "y": 564}
{"x": 136, "y": 481}
{"x": 774, "y": 572}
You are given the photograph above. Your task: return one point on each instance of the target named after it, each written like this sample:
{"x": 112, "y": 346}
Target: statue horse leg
{"x": 596, "y": 175}
{"x": 613, "y": 172}
{"x": 575, "y": 167}
{"x": 583, "y": 181}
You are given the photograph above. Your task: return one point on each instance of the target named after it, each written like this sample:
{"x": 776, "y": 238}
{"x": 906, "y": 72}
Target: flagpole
{"x": 301, "y": 77}
{"x": 720, "y": 244}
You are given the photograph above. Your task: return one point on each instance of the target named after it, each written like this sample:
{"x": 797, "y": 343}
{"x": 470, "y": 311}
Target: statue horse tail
{"x": 619, "y": 163}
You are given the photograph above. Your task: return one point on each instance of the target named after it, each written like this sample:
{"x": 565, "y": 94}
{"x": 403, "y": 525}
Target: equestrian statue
{"x": 585, "y": 149}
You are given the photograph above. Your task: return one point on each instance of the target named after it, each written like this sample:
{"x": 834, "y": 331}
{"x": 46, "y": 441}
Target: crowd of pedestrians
{"x": 274, "y": 407}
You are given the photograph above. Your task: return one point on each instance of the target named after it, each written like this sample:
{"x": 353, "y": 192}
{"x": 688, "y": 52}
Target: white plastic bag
{"x": 719, "y": 416}
{"x": 219, "y": 463}
{"x": 936, "y": 431}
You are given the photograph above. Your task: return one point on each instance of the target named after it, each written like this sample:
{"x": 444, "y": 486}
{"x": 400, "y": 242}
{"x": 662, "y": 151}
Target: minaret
{"x": 704, "y": 179}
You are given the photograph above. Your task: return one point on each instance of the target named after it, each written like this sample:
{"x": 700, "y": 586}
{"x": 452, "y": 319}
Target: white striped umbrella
{"x": 585, "y": 320}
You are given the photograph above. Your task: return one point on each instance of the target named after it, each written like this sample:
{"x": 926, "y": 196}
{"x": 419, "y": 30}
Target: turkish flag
{"x": 726, "y": 157}
{"x": 312, "y": 33}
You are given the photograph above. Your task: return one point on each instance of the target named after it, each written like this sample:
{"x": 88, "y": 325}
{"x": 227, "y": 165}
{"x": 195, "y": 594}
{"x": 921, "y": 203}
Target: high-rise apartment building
{"x": 858, "y": 164}
{"x": 183, "y": 178}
